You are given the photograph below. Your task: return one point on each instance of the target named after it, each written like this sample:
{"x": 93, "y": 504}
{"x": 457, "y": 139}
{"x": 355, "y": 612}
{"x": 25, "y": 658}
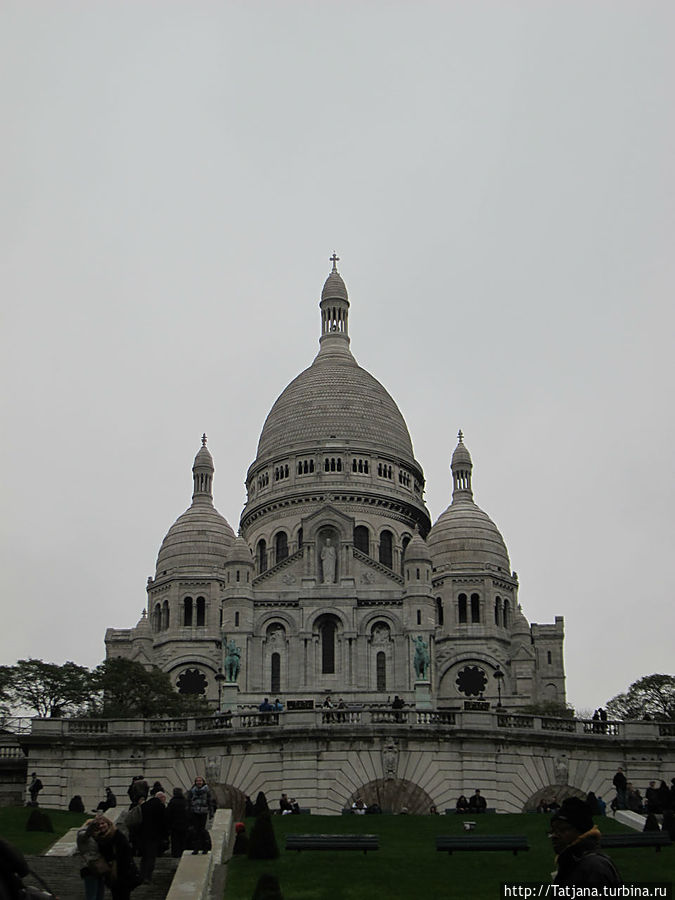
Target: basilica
{"x": 337, "y": 584}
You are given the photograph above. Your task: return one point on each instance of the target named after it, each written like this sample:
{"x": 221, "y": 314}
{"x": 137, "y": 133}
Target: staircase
{"x": 62, "y": 875}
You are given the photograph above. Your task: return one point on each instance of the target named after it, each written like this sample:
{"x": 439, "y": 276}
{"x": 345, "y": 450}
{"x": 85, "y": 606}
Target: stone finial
{"x": 204, "y": 439}
{"x": 334, "y": 259}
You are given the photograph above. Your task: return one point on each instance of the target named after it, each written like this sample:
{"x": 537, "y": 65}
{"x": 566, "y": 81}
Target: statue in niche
{"x": 561, "y": 769}
{"x": 328, "y": 562}
{"x": 421, "y": 660}
{"x": 381, "y": 633}
{"x": 276, "y": 634}
{"x": 212, "y": 769}
{"x": 231, "y": 660}
{"x": 389, "y": 761}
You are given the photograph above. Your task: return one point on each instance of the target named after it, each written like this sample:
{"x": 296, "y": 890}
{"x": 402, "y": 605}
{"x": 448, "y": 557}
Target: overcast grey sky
{"x": 498, "y": 180}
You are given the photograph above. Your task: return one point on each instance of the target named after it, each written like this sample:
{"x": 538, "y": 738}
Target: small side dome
{"x": 143, "y": 629}
{"x": 461, "y": 456}
{"x": 203, "y": 459}
{"x": 464, "y": 536}
{"x": 240, "y": 553}
{"x": 520, "y": 626}
{"x": 334, "y": 287}
{"x": 200, "y": 539}
{"x": 417, "y": 550}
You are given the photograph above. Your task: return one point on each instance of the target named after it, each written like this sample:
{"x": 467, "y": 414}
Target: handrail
{"x": 348, "y": 717}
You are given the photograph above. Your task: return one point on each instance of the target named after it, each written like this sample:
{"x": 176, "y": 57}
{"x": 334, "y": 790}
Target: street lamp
{"x": 499, "y": 676}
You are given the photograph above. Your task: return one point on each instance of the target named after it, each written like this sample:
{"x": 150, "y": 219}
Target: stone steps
{"x": 62, "y": 875}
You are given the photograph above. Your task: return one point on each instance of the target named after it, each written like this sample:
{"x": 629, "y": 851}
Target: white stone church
{"x": 338, "y": 576}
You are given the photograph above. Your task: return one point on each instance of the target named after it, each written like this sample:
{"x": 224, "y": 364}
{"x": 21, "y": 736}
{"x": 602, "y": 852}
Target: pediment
{"x": 328, "y": 515}
{"x": 522, "y": 654}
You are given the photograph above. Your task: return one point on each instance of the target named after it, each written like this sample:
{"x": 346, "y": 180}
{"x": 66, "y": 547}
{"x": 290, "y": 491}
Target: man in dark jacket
{"x": 154, "y": 831}
{"x": 576, "y": 842}
{"x": 620, "y": 782}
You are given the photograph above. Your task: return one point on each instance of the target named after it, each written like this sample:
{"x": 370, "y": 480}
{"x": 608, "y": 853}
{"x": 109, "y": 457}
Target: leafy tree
{"x": 127, "y": 689}
{"x": 48, "y": 689}
{"x": 650, "y": 697}
{"x": 5, "y": 694}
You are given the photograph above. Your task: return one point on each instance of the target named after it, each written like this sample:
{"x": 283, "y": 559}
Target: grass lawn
{"x": 407, "y": 865}
{"x": 13, "y": 827}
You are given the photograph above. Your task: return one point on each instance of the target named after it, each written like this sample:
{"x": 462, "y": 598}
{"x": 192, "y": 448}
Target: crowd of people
{"x": 656, "y": 801}
{"x": 149, "y": 827}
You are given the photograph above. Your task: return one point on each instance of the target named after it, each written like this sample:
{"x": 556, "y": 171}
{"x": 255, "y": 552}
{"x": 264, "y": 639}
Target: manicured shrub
{"x": 262, "y": 843}
{"x": 39, "y": 821}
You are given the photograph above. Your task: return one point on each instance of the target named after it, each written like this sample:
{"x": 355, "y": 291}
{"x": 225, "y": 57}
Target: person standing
{"x": 34, "y": 788}
{"x": 154, "y": 829}
{"x": 95, "y": 867}
{"x": 123, "y": 875}
{"x": 177, "y": 812}
{"x": 201, "y": 805}
{"x": 620, "y": 782}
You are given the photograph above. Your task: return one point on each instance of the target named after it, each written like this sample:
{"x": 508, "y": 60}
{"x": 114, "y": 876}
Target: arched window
{"x": 498, "y": 610}
{"x": 386, "y": 548}
{"x": 404, "y": 543}
{"x": 281, "y": 546}
{"x": 261, "y": 553}
{"x": 275, "y": 673}
{"x": 201, "y": 611}
{"x": 461, "y": 609}
{"x": 362, "y": 539}
{"x": 299, "y": 538}
{"x": 439, "y": 611}
{"x": 327, "y": 631}
{"x": 187, "y": 611}
{"x": 549, "y": 658}
{"x": 381, "y": 670}
{"x": 236, "y": 619}
{"x": 157, "y": 618}
{"x": 475, "y": 608}
{"x": 419, "y": 616}
{"x": 507, "y": 613}
{"x": 165, "y": 615}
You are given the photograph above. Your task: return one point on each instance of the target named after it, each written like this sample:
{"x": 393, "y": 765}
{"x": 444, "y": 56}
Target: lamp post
{"x": 499, "y": 676}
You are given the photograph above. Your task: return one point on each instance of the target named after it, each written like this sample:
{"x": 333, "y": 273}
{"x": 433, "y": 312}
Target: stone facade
{"x": 337, "y": 575}
{"x": 412, "y": 758}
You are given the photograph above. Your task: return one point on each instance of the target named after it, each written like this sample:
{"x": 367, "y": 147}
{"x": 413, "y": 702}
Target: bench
{"x": 363, "y": 842}
{"x": 655, "y": 839}
{"x": 512, "y": 842}
{"x": 469, "y": 812}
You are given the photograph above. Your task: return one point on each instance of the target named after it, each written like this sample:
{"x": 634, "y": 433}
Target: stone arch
{"x": 230, "y": 797}
{"x": 392, "y": 795}
{"x": 384, "y": 615}
{"x": 270, "y": 617}
{"x": 327, "y": 611}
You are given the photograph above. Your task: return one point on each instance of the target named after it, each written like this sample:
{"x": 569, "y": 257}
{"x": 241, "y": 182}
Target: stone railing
{"x": 352, "y": 717}
{"x": 9, "y": 752}
{"x": 15, "y": 724}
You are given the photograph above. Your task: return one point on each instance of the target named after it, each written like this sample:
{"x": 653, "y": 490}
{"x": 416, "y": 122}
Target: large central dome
{"x": 335, "y": 399}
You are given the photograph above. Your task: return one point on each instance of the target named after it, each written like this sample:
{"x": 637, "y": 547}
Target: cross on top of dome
{"x": 334, "y": 259}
